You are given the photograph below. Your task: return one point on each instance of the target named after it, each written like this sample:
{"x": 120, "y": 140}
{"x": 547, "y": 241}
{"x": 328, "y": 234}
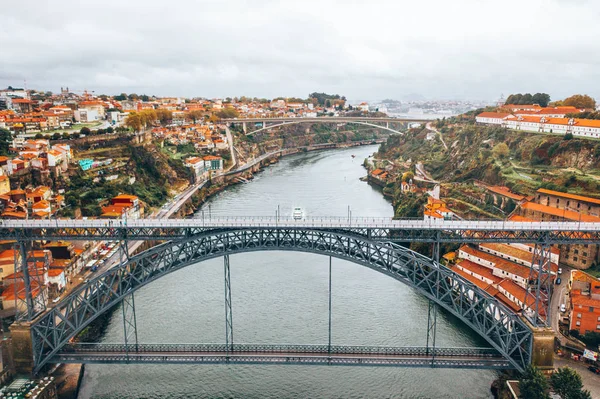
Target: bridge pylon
{"x": 542, "y": 346}
{"x": 22, "y": 344}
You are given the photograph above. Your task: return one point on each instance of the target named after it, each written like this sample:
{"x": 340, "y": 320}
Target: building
{"x": 213, "y": 164}
{"x": 553, "y": 205}
{"x": 437, "y": 211}
{"x": 585, "y": 303}
{"x": 493, "y": 118}
{"x": 123, "y": 206}
{"x": 4, "y": 184}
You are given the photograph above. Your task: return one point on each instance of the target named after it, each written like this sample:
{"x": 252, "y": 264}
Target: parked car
{"x": 563, "y": 308}
{"x": 594, "y": 369}
{"x": 558, "y": 281}
{"x": 560, "y": 270}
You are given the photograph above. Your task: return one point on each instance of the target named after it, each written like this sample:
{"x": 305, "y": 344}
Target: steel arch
{"x": 295, "y": 122}
{"x": 502, "y": 328}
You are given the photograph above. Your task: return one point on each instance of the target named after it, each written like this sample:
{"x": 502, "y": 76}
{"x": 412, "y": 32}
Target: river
{"x": 281, "y": 297}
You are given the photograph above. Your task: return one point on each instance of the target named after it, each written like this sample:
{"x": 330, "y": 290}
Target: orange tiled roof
{"x": 506, "y": 265}
{"x": 504, "y": 191}
{"x": 568, "y": 195}
{"x": 495, "y": 115}
{"x": 566, "y": 214}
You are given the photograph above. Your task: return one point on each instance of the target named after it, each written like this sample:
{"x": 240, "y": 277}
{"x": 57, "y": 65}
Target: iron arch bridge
{"x": 508, "y": 335}
{"x": 380, "y": 123}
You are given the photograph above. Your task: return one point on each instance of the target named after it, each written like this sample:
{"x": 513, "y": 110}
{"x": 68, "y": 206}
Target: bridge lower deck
{"x": 283, "y": 354}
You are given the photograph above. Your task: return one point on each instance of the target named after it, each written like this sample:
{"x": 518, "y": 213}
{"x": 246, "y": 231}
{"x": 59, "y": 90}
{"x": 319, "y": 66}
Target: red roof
{"x": 495, "y": 115}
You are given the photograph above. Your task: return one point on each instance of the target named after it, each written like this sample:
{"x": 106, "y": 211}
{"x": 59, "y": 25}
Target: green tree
{"x": 5, "y": 141}
{"x": 110, "y": 130}
{"x": 39, "y": 136}
{"x": 121, "y": 97}
{"x": 56, "y": 136}
{"x": 566, "y": 382}
{"x": 134, "y": 121}
{"x": 501, "y": 150}
{"x": 543, "y": 99}
{"x": 568, "y": 136}
{"x": 85, "y": 131}
{"x": 66, "y": 136}
{"x": 533, "y": 384}
{"x": 580, "y": 101}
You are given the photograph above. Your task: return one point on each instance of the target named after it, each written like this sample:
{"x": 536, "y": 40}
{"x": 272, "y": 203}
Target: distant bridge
{"x": 380, "y": 123}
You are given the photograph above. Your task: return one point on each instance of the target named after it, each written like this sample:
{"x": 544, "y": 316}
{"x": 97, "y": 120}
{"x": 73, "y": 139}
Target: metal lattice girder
{"x": 30, "y": 293}
{"x": 228, "y": 306}
{"x": 370, "y": 228}
{"x": 503, "y": 329}
{"x": 283, "y": 354}
{"x": 130, "y": 335}
{"x": 538, "y": 296}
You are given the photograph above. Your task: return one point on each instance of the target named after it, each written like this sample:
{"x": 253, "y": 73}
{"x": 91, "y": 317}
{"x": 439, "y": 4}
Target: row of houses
{"x": 542, "y": 123}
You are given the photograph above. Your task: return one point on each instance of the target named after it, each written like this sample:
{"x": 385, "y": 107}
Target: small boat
{"x": 353, "y": 156}
{"x": 298, "y": 213}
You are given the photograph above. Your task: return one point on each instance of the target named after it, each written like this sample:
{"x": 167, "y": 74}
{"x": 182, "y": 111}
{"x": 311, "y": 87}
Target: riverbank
{"x": 202, "y": 196}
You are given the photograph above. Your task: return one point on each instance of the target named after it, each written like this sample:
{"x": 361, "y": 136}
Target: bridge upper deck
{"x": 373, "y": 227}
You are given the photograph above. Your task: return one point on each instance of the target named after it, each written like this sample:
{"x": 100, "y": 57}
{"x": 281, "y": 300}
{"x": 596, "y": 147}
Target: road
{"x": 432, "y": 128}
{"x": 422, "y": 174}
{"x": 230, "y": 141}
{"x": 559, "y": 296}
{"x": 590, "y": 380}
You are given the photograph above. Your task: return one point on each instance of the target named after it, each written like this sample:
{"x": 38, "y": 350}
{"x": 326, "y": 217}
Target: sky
{"x": 367, "y": 49}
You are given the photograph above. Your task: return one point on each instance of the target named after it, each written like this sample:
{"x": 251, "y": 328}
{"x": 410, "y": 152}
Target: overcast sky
{"x": 367, "y": 49}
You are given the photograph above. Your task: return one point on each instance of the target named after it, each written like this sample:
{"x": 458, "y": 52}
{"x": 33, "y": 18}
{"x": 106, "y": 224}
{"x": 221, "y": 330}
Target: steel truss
{"x": 283, "y": 354}
{"x": 503, "y": 329}
{"x": 228, "y": 306}
{"x": 31, "y": 295}
{"x": 538, "y": 296}
{"x": 430, "y": 233}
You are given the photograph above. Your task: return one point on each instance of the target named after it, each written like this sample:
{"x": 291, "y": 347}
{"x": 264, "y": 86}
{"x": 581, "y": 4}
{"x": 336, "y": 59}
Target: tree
{"x": 66, "y": 136}
{"x": 568, "y": 136}
{"x": 533, "y": 384}
{"x": 56, "y": 136}
{"x": 134, "y": 121}
{"x": 5, "y": 141}
{"x": 110, "y": 130}
{"x": 580, "y": 101}
{"x": 121, "y": 97}
{"x": 85, "y": 131}
{"x": 194, "y": 115}
{"x": 164, "y": 116}
{"x": 227, "y": 113}
{"x": 39, "y": 136}
{"x": 527, "y": 99}
{"x": 567, "y": 383}
{"x": 543, "y": 99}
{"x": 406, "y": 176}
{"x": 501, "y": 150}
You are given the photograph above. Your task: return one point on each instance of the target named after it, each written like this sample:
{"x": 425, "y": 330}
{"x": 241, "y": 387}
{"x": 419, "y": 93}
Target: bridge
{"x": 45, "y": 335}
{"x": 380, "y": 123}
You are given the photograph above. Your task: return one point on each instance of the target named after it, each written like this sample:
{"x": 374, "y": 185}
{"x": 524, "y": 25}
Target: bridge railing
{"x": 206, "y": 220}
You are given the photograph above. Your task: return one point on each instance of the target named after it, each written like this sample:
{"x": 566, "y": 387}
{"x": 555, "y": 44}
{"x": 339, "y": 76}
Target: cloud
{"x": 362, "y": 49}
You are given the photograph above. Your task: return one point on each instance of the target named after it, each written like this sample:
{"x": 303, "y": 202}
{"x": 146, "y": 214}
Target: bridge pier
{"x": 542, "y": 351}
{"x": 22, "y": 344}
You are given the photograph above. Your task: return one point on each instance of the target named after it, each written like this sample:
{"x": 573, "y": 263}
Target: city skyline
{"x": 462, "y": 51}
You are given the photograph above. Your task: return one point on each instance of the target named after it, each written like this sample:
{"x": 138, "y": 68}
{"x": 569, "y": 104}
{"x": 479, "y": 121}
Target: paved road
{"x": 309, "y": 222}
{"x": 432, "y": 128}
{"x": 591, "y": 381}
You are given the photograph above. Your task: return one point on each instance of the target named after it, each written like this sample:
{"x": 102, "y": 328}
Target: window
{"x": 598, "y": 327}
{"x": 578, "y": 205}
{"x": 585, "y": 254}
{"x": 579, "y": 315}
{"x": 568, "y": 202}
{"x": 584, "y": 261}
{"x": 591, "y": 308}
{"x": 578, "y": 323}
{"x": 576, "y": 251}
{"x": 598, "y": 318}
{"x": 575, "y": 258}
